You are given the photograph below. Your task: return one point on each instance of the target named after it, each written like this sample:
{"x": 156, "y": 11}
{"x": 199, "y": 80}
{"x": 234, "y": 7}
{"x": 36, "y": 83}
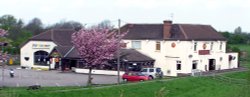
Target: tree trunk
{"x": 89, "y": 77}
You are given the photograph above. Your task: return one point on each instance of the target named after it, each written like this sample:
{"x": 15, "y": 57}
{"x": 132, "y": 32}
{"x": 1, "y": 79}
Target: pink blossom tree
{"x": 3, "y": 33}
{"x": 3, "y": 56}
{"x": 95, "y": 46}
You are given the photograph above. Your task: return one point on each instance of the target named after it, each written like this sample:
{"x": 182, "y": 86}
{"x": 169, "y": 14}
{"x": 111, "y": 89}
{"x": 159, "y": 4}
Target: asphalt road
{"x": 24, "y": 77}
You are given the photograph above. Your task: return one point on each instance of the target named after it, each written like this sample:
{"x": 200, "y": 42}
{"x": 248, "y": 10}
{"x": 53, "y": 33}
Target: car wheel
{"x": 151, "y": 77}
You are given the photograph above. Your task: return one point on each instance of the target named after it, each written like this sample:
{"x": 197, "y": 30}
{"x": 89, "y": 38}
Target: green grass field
{"x": 238, "y": 75}
{"x": 182, "y": 87}
{"x": 179, "y": 87}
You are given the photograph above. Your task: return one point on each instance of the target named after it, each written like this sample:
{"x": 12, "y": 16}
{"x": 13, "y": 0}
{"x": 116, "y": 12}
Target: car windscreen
{"x": 144, "y": 70}
{"x": 140, "y": 74}
{"x": 158, "y": 69}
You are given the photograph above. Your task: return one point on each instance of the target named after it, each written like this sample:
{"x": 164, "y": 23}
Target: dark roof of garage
{"x": 61, "y": 37}
{"x": 130, "y": 55}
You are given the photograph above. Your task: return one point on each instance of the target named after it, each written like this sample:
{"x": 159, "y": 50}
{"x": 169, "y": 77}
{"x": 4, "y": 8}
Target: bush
{"x": 235, "y": 49}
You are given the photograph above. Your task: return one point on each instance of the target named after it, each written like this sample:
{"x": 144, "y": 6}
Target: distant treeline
{"x": 19, "y": 32}
{"x": 237, "y": 37}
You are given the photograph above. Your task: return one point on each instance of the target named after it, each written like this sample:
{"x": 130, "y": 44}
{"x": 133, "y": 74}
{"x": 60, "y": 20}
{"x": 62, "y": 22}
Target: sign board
{"x": 40, "y": 46}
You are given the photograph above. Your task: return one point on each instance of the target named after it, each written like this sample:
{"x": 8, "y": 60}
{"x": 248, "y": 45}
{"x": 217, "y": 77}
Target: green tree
{"x": 238, "y": 30}
{"x": 16, "y": 32}
{"x": 7, "y": 21}
{"x": 66, "y": 25}
{"x": 35, "y": 26}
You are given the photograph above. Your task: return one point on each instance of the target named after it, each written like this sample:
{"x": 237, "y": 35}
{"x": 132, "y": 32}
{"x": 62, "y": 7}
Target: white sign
{"x": 41, "y": 46}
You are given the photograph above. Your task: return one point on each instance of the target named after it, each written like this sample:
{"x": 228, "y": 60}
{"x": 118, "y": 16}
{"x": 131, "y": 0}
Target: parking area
{"x": 24, "y": 77}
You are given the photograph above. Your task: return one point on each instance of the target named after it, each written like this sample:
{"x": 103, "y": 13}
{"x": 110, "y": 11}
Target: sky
{"x": 223, "y": 15}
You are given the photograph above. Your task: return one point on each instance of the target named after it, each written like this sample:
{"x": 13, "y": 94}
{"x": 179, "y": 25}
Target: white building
{"x": 176, "y": 48}
{"x": 53, "y": 50}
{"x": 35, "y": 52}
{"x": 181, "y": 48}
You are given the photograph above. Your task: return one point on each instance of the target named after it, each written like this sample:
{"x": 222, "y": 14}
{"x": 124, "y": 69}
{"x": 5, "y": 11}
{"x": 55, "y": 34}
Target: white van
{"x": 152, "y": 72}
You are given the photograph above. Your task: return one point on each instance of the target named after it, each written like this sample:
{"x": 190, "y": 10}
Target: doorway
{"x": 211, "y": 64}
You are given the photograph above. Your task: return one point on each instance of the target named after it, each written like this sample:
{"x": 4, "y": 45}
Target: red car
{"x": 134, "y": 76}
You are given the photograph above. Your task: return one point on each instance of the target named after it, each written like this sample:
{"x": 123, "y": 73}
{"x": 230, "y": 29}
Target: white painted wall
{"x": 105, "y": 72}
{"x": 29, "y": 49}
{"x": 166, "y": 58}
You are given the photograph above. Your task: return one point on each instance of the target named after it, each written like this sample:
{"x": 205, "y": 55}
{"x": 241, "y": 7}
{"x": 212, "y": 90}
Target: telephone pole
{"x": 118, "y": 53}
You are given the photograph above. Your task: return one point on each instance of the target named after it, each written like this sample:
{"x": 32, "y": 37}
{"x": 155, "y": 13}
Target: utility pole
{"x": 118, "y": 53}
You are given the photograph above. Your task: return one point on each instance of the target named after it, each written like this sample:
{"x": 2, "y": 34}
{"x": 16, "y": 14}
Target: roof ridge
{"x": 194, "y": 24}
{"x": 39, "y": 34}
{"x": 52, "y": 37}
{"x": 144, "y": 24}
{"x": 69, "y": 51}
{"x": 184, "y": 33}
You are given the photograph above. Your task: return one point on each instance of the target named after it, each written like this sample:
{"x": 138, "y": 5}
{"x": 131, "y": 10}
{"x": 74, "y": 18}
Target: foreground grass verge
{"x": 182, "y": 87}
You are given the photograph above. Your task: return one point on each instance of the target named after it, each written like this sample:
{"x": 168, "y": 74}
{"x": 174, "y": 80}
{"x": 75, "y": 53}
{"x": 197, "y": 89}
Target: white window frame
{"x": 221, "y": 44}
{"x": 157, "y": 43}
{"x": 195, "y": 62}
{"x": 136, "y": 44}
{"x": 195, "y": 46}
{"x": 178, "y": 62}
{"x": 211, "y": 46}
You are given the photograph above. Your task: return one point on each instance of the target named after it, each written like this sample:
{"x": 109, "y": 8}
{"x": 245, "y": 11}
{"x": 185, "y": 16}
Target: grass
{"x": 182, "y": 87}
{"x": 238, "y": 75}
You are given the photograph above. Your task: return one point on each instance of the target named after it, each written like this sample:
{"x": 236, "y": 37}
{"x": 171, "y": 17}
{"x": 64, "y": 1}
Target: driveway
{"x": 24, "y": 77}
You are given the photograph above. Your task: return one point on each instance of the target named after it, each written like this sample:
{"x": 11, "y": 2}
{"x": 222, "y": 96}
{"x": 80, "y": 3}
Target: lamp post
{"x": 118, "y": 54}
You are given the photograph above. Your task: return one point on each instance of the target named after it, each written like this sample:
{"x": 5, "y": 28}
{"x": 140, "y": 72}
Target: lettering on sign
{"x": 40, "y": 46}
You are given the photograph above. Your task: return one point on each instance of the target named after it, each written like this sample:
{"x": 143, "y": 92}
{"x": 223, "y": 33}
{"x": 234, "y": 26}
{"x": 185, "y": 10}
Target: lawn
{"x": 180, "y": 87}
{"x": 238, "y": 75}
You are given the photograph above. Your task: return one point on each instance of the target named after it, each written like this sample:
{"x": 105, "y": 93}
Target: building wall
{"x": 30, "y": 48}
{"x": 183, "y": 51}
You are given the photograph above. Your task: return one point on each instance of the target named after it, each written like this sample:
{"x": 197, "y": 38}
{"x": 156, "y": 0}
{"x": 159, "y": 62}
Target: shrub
{"x": 235, "y": 49}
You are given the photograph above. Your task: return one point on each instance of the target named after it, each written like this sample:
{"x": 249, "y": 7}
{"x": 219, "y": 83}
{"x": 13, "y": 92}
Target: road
{"x": 25, "y": 77}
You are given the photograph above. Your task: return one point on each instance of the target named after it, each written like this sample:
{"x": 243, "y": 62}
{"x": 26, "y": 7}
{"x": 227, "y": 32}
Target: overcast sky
{"x": 223, "y": 15}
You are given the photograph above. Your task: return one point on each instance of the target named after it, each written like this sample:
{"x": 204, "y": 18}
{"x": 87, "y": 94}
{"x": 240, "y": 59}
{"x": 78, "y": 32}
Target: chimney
{"x": 166, "y": 29}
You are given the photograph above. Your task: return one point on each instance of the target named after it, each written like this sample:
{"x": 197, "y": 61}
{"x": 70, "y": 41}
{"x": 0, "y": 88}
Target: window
{"x": 211, "y": 46}
{"x": 145, "y": 70}
{"x": 178, "y": 65}
{"x": 123, "y": 45}
{"x": 221, "y": 45}
{"x": 195, "y": 46}
{"x": 158, "y": 69}
{"x": 158, "y": 46}
{"x": 136, "y": 44}
{"x": 195, "y": 63}
{"x": 151, "y": 70}
{"x": 41, "y": 58}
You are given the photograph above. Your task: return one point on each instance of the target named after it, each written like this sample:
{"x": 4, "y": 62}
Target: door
{"x": 211, "y": 65}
